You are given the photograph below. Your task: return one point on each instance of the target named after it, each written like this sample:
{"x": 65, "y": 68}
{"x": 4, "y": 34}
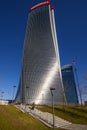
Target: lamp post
{"x": 78, "y": 85}
{"x": 42, "y": 99}
{"x": 27, "y": 93}
{"x": 2, "y": 95}
{"x": 52, "y": 89}
{"x": 13, "y": 93}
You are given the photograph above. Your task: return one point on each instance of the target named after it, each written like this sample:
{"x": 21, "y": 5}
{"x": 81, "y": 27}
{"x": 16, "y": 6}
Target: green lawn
{"x": 13, "y": 119}
{"x": 73, "y": 114}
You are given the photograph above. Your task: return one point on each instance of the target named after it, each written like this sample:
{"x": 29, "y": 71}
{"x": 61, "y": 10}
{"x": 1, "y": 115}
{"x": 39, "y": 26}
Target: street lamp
{"x": 13, "y": 93}
{"x": 42, "y": 99}
{"x": 27, "y": 93}
{"x": 78, "y": 85}
{"x": 2, "y": 95}
{"x": 52, "y": 89}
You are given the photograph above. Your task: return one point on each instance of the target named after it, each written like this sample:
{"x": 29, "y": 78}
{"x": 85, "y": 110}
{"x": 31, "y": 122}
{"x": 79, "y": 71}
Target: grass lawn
{"x": 13, "y": 119}
{"x": 73, "y": 114}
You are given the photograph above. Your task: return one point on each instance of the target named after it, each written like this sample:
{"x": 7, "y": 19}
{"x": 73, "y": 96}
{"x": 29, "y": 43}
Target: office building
{"x": 41, "y": 63}
{"x": 69, "y": 83}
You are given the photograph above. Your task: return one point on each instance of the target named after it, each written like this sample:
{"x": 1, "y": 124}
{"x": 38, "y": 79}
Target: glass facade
{"x": 41, "y": 64}
{"x": 69, "y": 84}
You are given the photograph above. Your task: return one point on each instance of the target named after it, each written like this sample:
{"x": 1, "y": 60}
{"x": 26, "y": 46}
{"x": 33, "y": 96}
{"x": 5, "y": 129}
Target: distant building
{"x": 4, "y": 102}
{"x": 69, "y": 84}
{"x": 41, "y": 63}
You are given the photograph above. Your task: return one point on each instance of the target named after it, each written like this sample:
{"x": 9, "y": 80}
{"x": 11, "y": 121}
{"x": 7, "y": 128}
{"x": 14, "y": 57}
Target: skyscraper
{"x": 69, "y": 84}
{"x": 41, "y": 63}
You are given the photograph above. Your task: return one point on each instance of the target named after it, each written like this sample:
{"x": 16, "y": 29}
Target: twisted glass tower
{"x": 41, "y": 64}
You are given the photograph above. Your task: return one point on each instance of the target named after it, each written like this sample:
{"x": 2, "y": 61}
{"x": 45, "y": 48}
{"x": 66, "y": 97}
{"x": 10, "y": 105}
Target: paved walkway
{"x": 47, "y": 119}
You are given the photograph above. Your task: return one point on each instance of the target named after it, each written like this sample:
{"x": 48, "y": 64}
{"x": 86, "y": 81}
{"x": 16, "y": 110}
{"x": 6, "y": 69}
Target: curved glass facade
{"x": 41, "y": 65}
{"x": 69, "y": 84}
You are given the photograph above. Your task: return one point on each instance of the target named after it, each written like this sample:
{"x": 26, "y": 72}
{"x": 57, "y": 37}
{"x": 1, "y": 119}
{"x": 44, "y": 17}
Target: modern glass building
{"x": 41, "y": 63}
{"x": 69, "y": 84}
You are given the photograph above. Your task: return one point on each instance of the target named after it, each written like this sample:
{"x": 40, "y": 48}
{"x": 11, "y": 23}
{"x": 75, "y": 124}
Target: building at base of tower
{"x": 41, "y": 63}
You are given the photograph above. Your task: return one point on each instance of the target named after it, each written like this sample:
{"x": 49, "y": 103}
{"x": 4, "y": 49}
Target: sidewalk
{"x": 47, "y": 119}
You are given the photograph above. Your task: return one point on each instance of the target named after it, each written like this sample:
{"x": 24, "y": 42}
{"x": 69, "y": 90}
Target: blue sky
{"x": 71, "y": 26}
